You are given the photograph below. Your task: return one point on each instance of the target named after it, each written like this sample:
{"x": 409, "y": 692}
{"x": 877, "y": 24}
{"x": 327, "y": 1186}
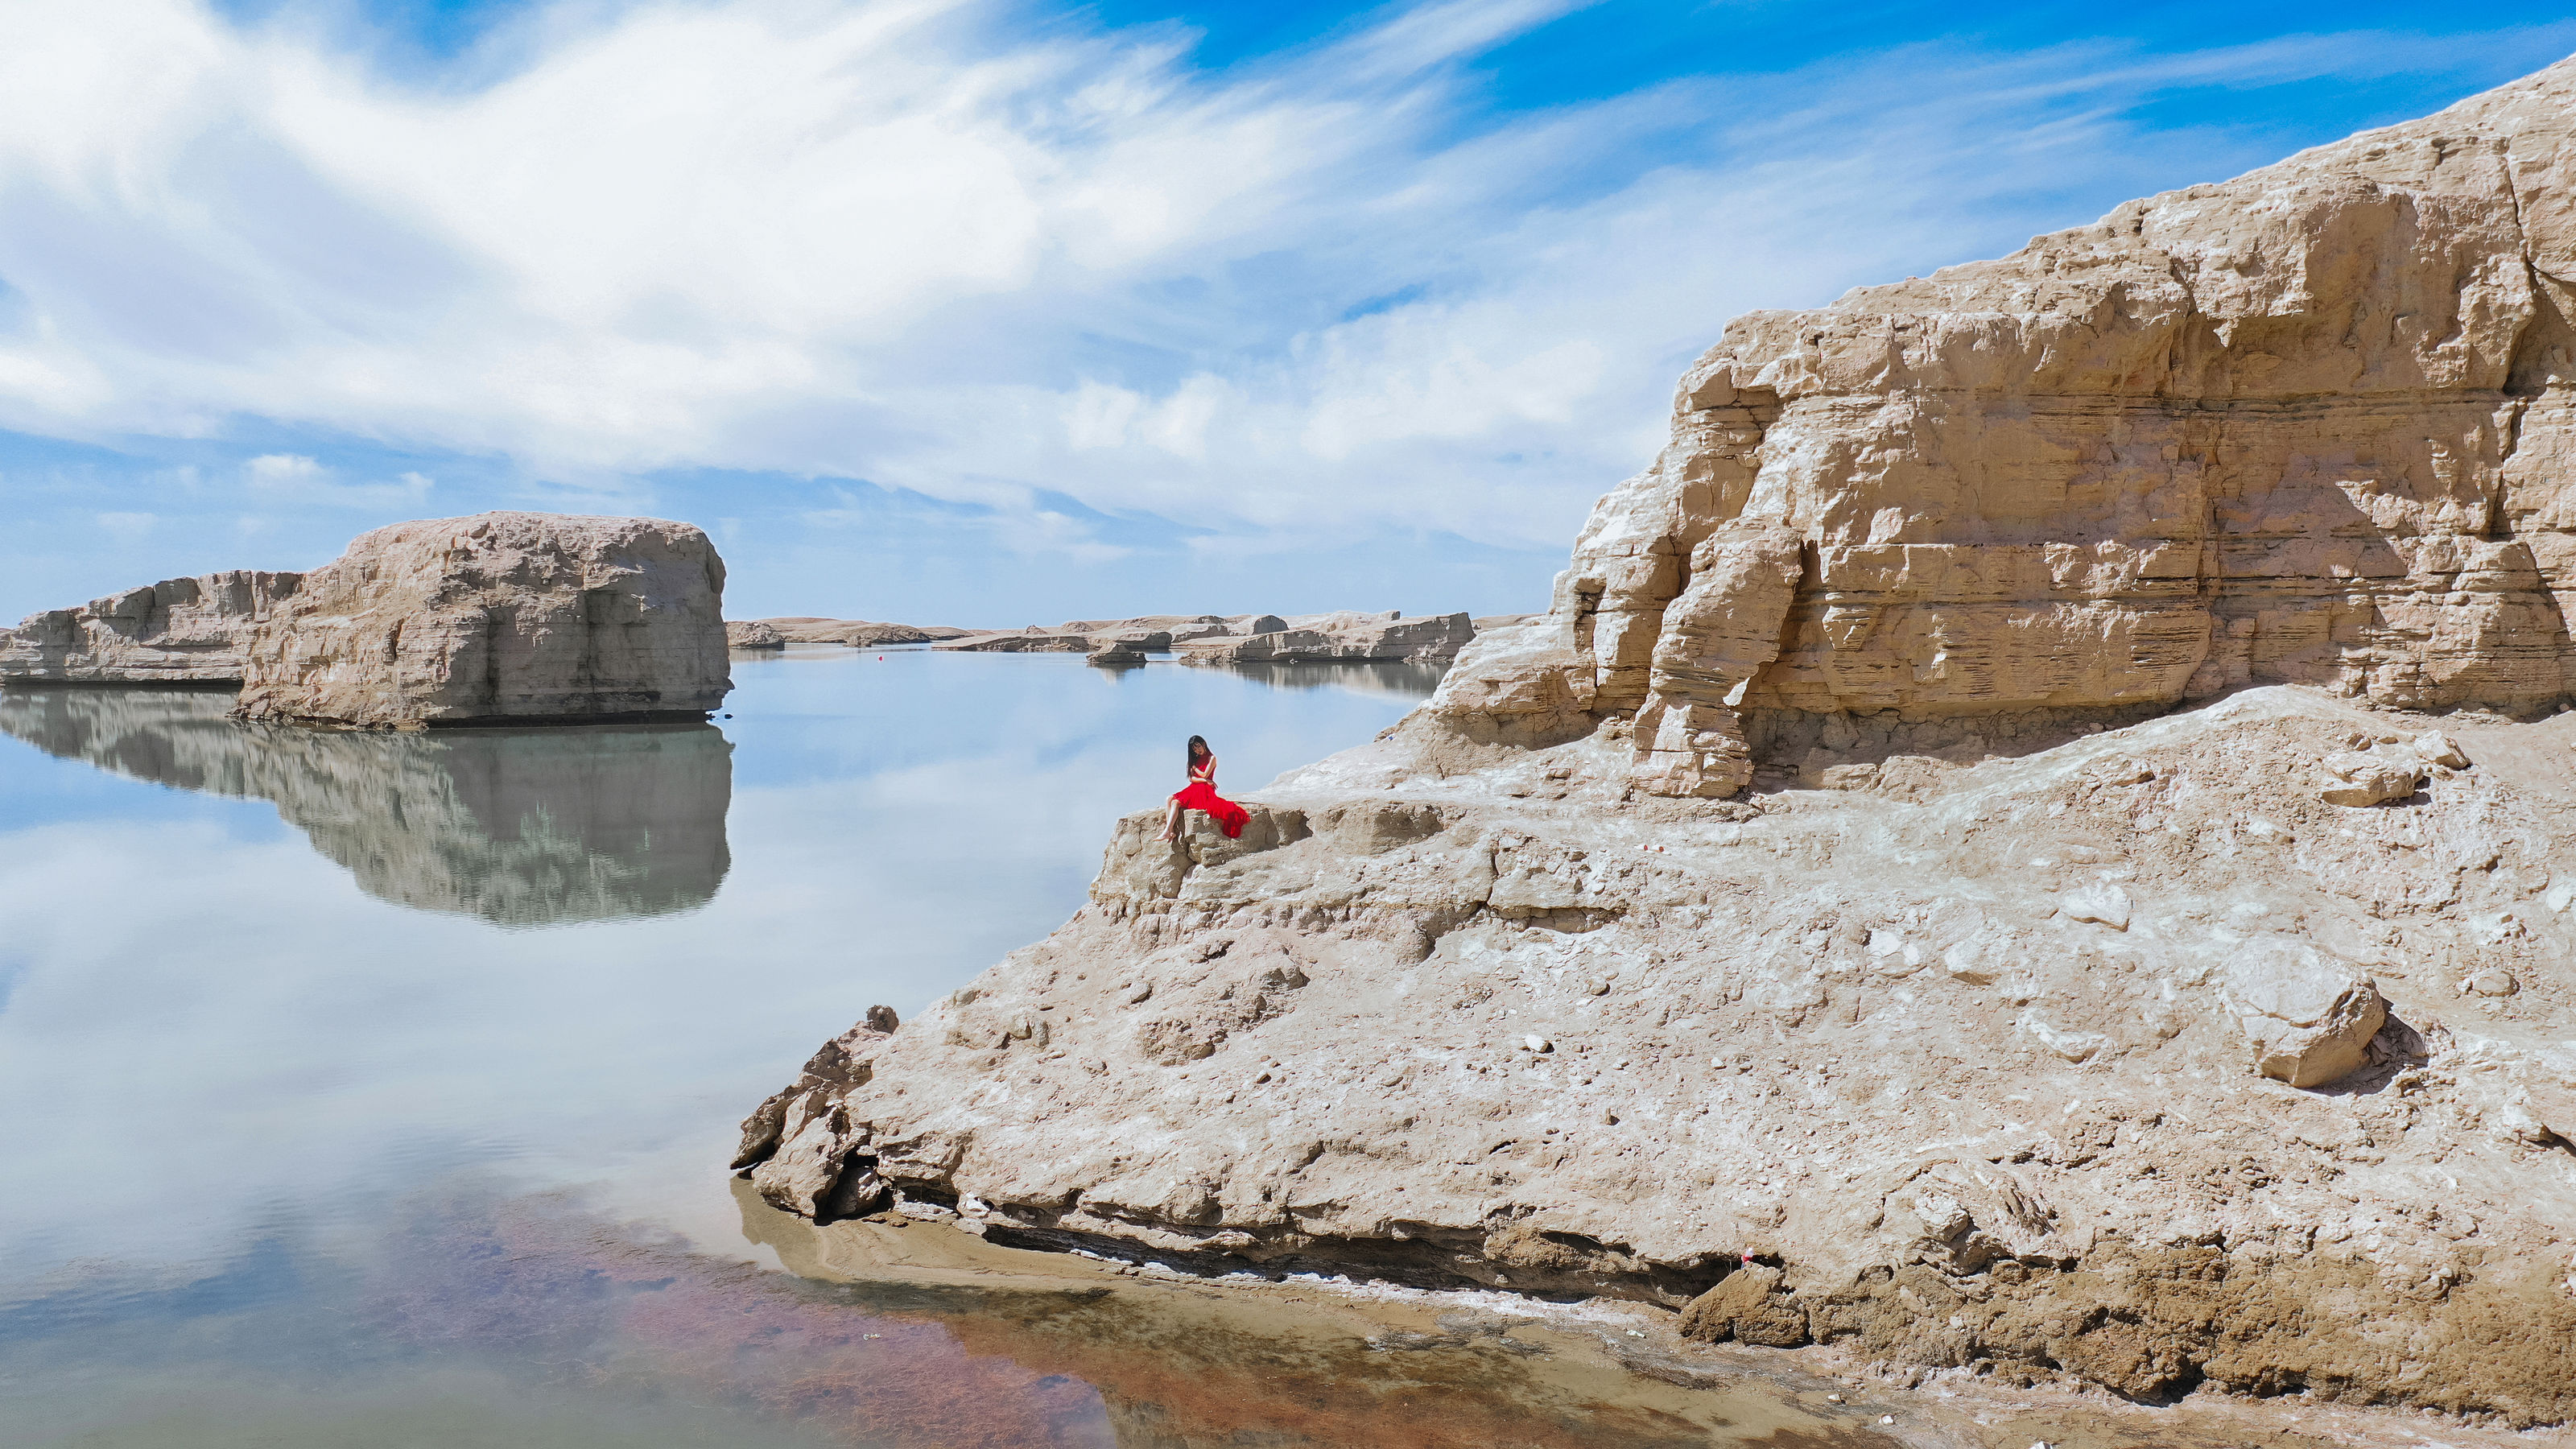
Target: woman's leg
{"x": 1172, "y": 821}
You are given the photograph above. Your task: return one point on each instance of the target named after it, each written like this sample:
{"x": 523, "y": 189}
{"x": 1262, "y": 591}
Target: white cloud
{"x": 293, "y": 477}
{"x": 938, "y": 246}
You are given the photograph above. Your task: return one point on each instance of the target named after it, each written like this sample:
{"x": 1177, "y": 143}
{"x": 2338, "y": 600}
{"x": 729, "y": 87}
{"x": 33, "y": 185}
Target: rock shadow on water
{"x": 522, "y": 827}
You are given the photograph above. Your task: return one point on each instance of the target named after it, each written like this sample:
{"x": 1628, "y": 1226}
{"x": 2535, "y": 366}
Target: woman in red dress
{"x": 1200, "y": 794}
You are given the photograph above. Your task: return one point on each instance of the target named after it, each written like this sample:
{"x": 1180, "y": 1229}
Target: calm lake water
{"x": 376, "y": 1089}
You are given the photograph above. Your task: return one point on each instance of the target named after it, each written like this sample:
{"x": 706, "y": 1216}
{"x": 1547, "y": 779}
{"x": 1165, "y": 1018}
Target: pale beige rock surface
{"x": 753, "y": 634}
{"x": 501, "y": 616}
{"x": 178, "y": 631}
{"x": 2032, "y": 1009}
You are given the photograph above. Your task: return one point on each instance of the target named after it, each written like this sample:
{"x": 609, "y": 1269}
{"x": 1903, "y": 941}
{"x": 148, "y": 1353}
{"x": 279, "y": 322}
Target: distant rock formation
{"x": 501, "y": 616}
{"x": 856, "y": 633}
{"x": 524, "y": 827}
{"x": 1342, "y": 638}
{"x": 1338, "y": 638}
{"x": 178, "y": 631}
{"x": 753, "y": 634}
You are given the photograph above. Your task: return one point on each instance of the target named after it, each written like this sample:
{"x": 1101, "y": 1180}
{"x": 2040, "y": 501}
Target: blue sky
{"x": 993, "y": 313}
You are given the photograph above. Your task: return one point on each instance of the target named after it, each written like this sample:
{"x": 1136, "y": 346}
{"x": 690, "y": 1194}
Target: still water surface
{"x": 375, "y": 1089}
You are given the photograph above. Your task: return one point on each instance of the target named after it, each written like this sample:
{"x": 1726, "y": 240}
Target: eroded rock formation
{"x": 523, "y": 827}
{"x": 178, "y": 631}
{"x": 2308, "y": 426}
{"x": 2021, "y": 1019}
{"x": 501, "y": 616}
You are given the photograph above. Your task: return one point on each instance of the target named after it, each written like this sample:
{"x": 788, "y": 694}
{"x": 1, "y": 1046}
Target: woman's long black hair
{"x": 1198, "y": 751}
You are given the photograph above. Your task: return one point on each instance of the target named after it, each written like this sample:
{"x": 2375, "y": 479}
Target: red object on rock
{"x": 1200, "y": 795}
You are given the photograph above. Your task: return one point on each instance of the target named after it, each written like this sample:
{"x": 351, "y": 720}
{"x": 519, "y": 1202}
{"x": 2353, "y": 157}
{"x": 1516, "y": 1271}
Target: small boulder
{"x": 2356, "y": 779}
{"x": 1116, "y": 654}
{"x": 753, "y": 634}
{"x": 2437, "y": 748}
{"x": 2309, "y": 1015}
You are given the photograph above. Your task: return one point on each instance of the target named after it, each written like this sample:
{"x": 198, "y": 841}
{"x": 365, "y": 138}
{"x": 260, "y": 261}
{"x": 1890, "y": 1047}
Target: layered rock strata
{"x": 501, "y": 616}
{"x": 521, "y": 827}
{"x": 2018, "y": 1021}
{"x": 178, "y": 631}
{"x": 2311, "y": 425}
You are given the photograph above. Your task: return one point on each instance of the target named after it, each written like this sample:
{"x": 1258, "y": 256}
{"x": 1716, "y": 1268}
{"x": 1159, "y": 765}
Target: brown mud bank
{"x": 1186, "y": 1362}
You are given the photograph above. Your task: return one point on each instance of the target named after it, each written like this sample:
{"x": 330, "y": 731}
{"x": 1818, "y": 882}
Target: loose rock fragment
{"x": 2357, "y": 779}
{"x": 2309, "y": 1016}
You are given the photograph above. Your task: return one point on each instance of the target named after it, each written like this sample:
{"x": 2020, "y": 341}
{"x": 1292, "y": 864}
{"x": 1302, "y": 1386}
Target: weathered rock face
{"x": 524, "y": 827}
{"x": 2129, "y": 1054}
{"x": 178, "y": 631}
{"x": 2311, "y": 425}
{"x": 502, "y": 616}
{"x": 753, "y": 634}
{"x": 2016, "y": 1017}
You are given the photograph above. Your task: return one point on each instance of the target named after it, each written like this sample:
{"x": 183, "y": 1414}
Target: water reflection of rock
{"x": 522, "y": 827}
{"x": 1405, "y": 681}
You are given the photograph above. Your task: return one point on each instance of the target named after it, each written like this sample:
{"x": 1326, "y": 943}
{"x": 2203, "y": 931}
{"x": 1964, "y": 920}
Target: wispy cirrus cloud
{"x": 991, "y": 255}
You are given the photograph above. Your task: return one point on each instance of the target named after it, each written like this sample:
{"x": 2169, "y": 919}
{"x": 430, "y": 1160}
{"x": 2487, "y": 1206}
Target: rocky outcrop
{"x": 753, "y": 634}
{"x": 523, "y": 827}
{"x": 2306, "y": 426}
{"x": 1342, "y": 638}
{"x": 2076, "y": 989}
{"x": 178, "y": 631}
{"x": 856, "y": 633}
{"x": 502, "y": 616}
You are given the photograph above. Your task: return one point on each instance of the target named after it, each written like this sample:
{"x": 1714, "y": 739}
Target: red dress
{"x": 1200, "y": 794}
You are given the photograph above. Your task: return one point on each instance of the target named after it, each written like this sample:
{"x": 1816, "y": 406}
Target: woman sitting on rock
{"x": 1200, "y": 794}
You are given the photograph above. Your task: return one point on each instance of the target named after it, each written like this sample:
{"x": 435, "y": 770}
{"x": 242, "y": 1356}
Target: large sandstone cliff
{"x": 2312, "y": 425}
{"x": 2110, "y": 966}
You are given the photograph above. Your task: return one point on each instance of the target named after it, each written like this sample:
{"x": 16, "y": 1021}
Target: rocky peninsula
{"x": 2030, "y": 841}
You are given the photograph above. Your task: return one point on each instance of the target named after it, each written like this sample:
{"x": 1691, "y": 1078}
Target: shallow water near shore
{"x": 376, "y": 1090}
